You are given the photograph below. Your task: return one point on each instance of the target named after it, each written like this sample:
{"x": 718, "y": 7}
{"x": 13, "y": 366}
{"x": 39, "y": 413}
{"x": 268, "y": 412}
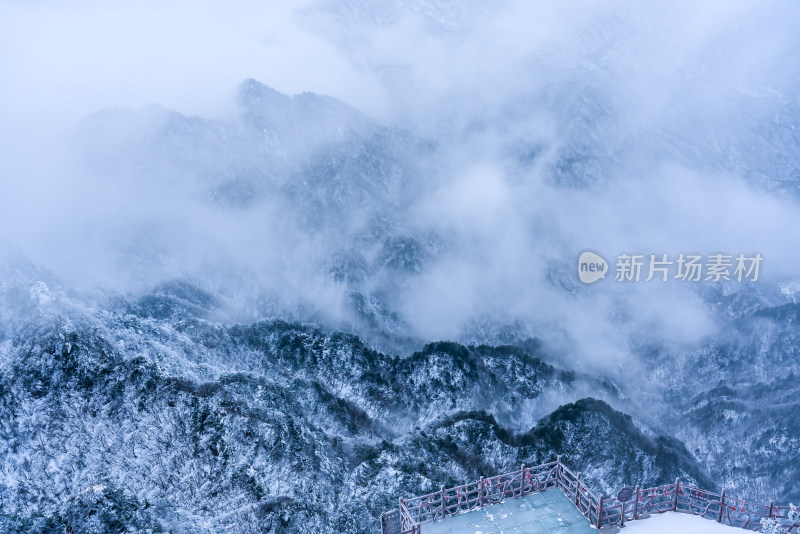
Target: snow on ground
{"x": 677, "y": 523}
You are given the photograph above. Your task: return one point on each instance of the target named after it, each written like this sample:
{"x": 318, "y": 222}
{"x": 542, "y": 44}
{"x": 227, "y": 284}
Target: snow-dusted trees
{"x": 772, "y": 526}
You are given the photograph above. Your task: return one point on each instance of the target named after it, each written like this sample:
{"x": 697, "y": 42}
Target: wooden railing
{"x": 685, "y": 498}
{"x": 484, "y": 492}
{"x": 585, "y": 500}
{"x": 598, "y": 509}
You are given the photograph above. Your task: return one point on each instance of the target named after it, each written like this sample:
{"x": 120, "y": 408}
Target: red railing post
{"x": 559, "y": 475}
{"x": 522, "y": 481}
{"x": 577, "y": 488}
{"x": 636, "y": 506}
{"x": 444, "y": 501}
{"x": 480, "y": 493}
{"x": 721, "y": 506}
{"x": 771, "y": 508}
{"x": 600, "y": 513}
{"x": 677, "y": 491}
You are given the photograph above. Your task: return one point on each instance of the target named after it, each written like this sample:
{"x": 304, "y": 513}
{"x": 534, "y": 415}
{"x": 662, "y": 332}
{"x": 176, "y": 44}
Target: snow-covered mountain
{"x": 145, "y": 415}
{"x": 170, "y": 408}
{"x": 283, "y": 315}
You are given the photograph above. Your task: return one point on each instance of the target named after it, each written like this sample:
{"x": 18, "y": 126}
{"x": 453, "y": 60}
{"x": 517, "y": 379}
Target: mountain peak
{"x": 269, "y": 107}
{"x": 254, "y": 95}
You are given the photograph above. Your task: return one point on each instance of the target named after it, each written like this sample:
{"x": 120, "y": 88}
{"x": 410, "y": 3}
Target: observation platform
{"x": 539, "y": 513}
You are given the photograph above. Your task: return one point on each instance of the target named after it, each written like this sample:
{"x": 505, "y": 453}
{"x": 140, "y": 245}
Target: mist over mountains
{"x": 280, "y": 308}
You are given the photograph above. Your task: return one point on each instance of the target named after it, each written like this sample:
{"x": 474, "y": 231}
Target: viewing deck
{"x": 539, "y": 513}
{"x": 552, "y": 498}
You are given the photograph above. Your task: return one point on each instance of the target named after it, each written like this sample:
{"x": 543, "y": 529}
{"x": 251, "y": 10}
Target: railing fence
{"x": 600, "y": 510}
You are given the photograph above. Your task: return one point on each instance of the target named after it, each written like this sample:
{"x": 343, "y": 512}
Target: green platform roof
{"x": 540, "y": 513}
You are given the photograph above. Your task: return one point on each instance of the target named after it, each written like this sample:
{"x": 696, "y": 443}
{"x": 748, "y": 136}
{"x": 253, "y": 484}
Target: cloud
{"x": 531, "y": 131}
{"x": 64, "y": 60}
